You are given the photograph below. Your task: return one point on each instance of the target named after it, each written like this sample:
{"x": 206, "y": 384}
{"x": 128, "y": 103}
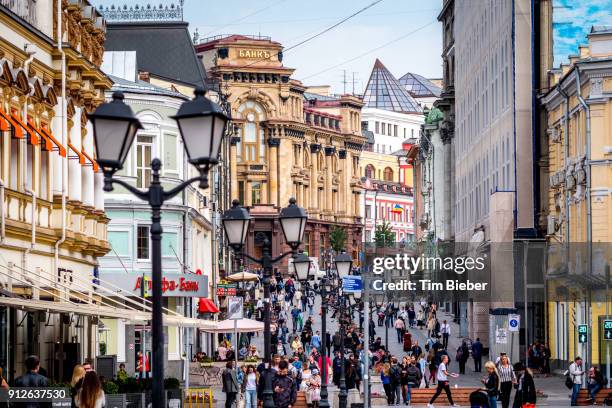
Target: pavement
{"x": 556, "y": 395}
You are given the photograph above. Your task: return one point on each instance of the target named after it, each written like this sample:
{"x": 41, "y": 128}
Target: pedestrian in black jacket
{"x": 285, "y": 390}
{"x": 525, "y": 387}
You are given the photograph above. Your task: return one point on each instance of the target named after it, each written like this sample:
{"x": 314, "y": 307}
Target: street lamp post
{"x": 379, "y": 300}
{"x": 344, "y": 264}
{"x": 202, "y": 126}
{"x": 236, "y": 225}
{"x": 301, "y": 269}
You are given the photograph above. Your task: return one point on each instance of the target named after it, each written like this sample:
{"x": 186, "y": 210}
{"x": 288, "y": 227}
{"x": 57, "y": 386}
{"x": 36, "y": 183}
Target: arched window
{"x": 251, "y": 147}
{"x": 388, "y": 174}
{"x": 370, "y": 171}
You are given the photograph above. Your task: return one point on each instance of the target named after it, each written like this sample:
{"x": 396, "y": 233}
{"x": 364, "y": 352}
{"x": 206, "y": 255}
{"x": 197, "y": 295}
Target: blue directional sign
{"x": 352, "y": 283}
{"x": 514, "y": 322}
{"x": 607, "y": 329}
{"x": 583, "y": 333}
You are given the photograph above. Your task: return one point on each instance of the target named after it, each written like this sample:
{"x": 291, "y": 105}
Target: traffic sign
{"x": 583, "y": 333}
{"x": 352, "y": 283}
{"x": 607, "y": 326}
{"x": 514, "y": 322}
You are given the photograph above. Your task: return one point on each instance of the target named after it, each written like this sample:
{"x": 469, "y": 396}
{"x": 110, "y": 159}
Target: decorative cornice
{"x": 353, "y": 146}
{"x": 274, "y": 142}
{"x": 329, "y": 151}
{"x": 315, "y": 148}
{"x": 143, "y": 13}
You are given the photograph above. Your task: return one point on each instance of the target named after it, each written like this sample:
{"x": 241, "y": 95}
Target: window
{"x": 251, "y": 147}
{"x": 388, "y": 174}
{"x": 30, "y": 166}
{"x": 394, "y": 130}
{"x": 142, "y": 242}
{"x": 376, "y": 127}
{"x": 14, "y": 170}
{"x": 44, "y": 175}
{"x": 241, "y": 192}
{"x": 368, "y": 211}
{"x": 404, "y": 133}
{"x": 255, "y": 192}
{"x": 370, "y": 171}
{"x": 412, "y": 133}
{"x": 144, "y": 153}
{"x": 389, "y": 130}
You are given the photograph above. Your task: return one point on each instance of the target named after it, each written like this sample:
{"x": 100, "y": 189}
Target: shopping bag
{"x": 529, "y": 405}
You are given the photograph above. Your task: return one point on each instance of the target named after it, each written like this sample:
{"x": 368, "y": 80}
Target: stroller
{"x": 479, "y": 399}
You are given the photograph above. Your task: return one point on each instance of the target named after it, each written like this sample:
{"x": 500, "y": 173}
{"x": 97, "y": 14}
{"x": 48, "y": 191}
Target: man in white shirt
{"x": 443, "y": 384}
{"x": 446, "y": 331}
{"x": 576, "y": 372}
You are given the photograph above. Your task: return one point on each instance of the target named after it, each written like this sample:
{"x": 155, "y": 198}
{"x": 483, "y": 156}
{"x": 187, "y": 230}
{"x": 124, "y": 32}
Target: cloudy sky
{"x": 572, "y": 21}
{"x": 404, "y": 34}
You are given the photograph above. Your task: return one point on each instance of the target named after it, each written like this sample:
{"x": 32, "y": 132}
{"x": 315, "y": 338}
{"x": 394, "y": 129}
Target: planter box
{"x": 116, "y": 401}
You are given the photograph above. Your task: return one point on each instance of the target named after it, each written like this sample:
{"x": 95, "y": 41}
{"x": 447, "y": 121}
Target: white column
{"x": 74, "y": 168}
{"x": 56, "y": 130}
{"x": 99, "y": 193}
{"x": 87, "y": 171}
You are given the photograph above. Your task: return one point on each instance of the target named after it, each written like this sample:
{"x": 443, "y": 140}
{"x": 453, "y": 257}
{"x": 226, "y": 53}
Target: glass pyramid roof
{"x": 418, "y": 86}
{"x": 385, "y": 92}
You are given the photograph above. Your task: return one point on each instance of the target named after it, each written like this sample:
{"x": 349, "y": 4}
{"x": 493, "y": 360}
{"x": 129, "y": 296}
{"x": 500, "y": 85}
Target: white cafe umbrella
{"x": 242, "y": 277}
{"x": 241, "y": 326}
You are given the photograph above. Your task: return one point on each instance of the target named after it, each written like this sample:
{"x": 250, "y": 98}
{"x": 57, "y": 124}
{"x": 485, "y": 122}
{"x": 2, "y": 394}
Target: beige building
{"x": 289, "y": 143}
{"x": 53, "y": 226}
{"x": 578, "y": 110}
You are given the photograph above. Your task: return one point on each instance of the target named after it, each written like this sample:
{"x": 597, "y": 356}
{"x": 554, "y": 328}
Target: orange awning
{"x": 4, "y": 125}
{"x": 78, "y": 153}
{"x": 34, "y": 139}
{"x": 92, "y": 161}
{"x": 18, "y": 131}
{"x": 48, "y": 145}
{"x": 61, "y": 149}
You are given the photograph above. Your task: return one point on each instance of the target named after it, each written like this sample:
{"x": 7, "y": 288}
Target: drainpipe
{"x": 24, "y": 162}
{"x": 64, "y": 137}
{"x": 64, "y": 140}
{"x": 587, "y": 163}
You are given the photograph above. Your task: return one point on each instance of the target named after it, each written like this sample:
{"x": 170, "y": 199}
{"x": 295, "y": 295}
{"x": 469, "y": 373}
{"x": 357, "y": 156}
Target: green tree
{"x": 384, "y": 235}
{"x": 337, "y": 238}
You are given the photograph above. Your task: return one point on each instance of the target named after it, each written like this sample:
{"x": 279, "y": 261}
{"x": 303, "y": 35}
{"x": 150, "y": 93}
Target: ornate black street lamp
{"x": 301, "y": 270}
{"x": 344, "y": 264}
{"x": 236, "y": 225}
{"x": 202, "y": 126}
{"x": 379, "y": 300}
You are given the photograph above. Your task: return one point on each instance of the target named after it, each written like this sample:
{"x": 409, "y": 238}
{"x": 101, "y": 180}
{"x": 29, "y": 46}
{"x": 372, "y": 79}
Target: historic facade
{"x": 288, "y": 143}
{"x": 53, "y": 226}
{"x": 579, "y": 123}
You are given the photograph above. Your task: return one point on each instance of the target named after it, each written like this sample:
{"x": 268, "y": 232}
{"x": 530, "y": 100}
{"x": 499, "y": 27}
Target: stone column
{"x": 234, "y": 140}
{"x": 273, "y": 145}
{"x": 87, "y": 172}
{"x": 314, "y": 172}
{"x": 247, "y": 193}
{"x": 74, "y": 167}
{"x": 343, "y": 191}
{"x": 329, "y": 152}
{"x": 57, "y": 160}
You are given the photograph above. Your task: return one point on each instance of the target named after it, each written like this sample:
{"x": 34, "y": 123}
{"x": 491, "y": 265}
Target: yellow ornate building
{"x": 53, "y": 226}
{"x": 289, "y": 143}
{"x": 579, "y": 120}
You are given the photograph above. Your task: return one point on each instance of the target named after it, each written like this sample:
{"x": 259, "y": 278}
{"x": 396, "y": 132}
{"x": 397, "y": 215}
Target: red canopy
{"x": 206, "y": 305}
